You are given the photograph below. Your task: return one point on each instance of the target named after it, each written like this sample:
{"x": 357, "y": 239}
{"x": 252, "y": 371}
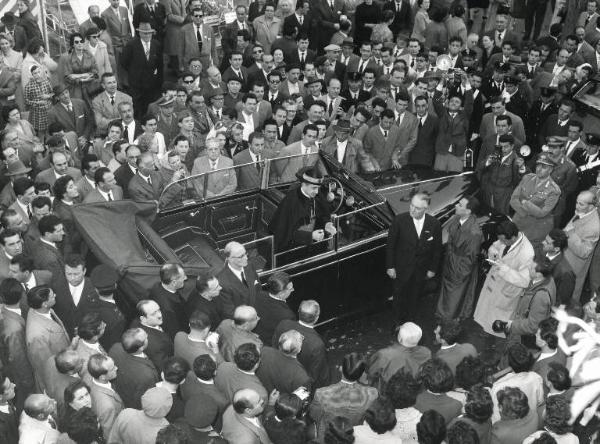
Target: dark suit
{"x": 518, "y": 105}
{"x": 234, "y": 292}
{"x": 281, "y": 372}
{"x": 106, "y": 404}
{"x": 309, "y": 56}
{"x": 535, "y": 119}
{"x": 229, "y": 35}
{"x": 354, "y": 156}
{"x": 411, "y": 257}
{"x": 135, "y": 376}
{"x": 19, "y": 36}
{"x": 188, "y": 46}
{"x": 49, "y": 258}
{"x": 160, "y": 345}
{"x": 362, "y": 97}
{"x": 248, "y": 177}
{"x": 424, "y": 151}
{"x": 403, "y": 19}
{"x": 112, "y": 317}
{"x": 8, "y": 87}
{"x": 156, "y": 18}
{"x": 326, "y": 19}
{"x": 9, "y": 426}
{"x": 141, "y": 191}
{"x": 307, "y": 23}
{"x": 80, "y": 120}
{"x": 551, "y": 127}
{"x": 229, "y": 73}
{"x": 95, "y": 196}
{"x": 65, "y": 307}
{"x": 313, "y": 355}
{"x": 564, "y": 279}
{"x": 271, "y": 312}
{"x": 172, "y": 306}
{"x": 123, "y": 176}
{"x": 144, "y": 74}
{"x": 208, "y": 393}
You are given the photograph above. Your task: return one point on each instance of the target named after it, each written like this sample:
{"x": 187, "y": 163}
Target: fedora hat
{"x": 310, "y": 175}
{"x": 59, "y": 89}
{"x": 15, "y": 168}
{"x": 145, "y": 28}
{"x": 342, "y": 125}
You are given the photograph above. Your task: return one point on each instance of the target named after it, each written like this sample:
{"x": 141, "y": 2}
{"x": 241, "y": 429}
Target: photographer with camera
{"x": 501, "y": 173}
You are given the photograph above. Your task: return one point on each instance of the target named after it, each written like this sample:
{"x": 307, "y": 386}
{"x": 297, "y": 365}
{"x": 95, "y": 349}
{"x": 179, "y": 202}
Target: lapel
{"x": 259, "y": 431}
{"x": 237, "y": 282}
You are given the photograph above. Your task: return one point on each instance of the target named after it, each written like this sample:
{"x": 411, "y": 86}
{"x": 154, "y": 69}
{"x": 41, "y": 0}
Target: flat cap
{"x": 544, "y": 159}
{"x": 103, "y": 277}
{"x": 593, "y": 139}
{"x": 332, "y": 47}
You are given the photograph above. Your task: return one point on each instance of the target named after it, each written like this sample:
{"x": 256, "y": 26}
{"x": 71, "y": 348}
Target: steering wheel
{"x": 335, "y": 187}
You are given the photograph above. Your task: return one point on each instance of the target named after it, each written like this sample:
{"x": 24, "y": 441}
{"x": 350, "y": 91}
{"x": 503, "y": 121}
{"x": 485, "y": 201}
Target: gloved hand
{"x": 499, "y": 326}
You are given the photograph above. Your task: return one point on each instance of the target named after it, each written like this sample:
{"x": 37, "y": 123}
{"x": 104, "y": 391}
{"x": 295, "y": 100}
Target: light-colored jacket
{"x": 266, "y": 33}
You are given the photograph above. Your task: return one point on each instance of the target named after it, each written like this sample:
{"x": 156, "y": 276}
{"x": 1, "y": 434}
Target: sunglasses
{"x": 199, "y": 15}
{"x": 188, "y": 82}
{"x": 77, "y": 41}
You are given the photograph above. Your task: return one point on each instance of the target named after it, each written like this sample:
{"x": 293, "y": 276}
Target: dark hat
{"x": 593, "y": 139}
{"x": 59, "y": 89}
{"x": 354, "y": 76}
{"x": 215, "y": 92}
{"x": 145, "y": 28}
{"x": 501, "y": 67}
{"x": 506, "y": 138}
{"x": 103, "y": 277}
{"x": 348, "y": 42}
{"x": 312, "y": 80}
{"x": 310, "y": 175}
{"x": 319, "y": 61}
{"x": 166, "y": 101}
{"x": 511, "y": 80}
{"x": 544, "y": 159}
{"x": 547, "y": 91}
{"x": 555, "y": 141}
{"x": 292, "y": 66}
{"x": 17, "y": 167}
{"x": 9, "y": 18}
{"x": 234, "y": 79}
{"x": 342, "y": 125}
{"x": 200, "y": 413}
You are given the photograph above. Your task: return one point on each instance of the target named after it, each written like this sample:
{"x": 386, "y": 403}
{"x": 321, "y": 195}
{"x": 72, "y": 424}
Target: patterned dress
{"x": 38, "y": 112}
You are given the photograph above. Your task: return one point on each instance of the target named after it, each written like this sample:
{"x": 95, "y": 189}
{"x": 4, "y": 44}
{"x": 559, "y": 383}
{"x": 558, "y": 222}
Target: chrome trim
{"x": 420, "y": 182}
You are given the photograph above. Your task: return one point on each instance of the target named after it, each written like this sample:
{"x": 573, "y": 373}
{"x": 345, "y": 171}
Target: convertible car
{"x": 197, "y": 216}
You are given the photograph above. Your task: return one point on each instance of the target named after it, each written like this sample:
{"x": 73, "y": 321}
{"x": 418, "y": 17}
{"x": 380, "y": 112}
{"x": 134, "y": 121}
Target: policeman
{"x": 588, "y": 162}
{"x": 564, "y": 175}
{"x": 534, "y": 200}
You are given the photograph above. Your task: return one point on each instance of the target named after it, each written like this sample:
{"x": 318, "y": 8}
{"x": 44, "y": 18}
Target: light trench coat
{"x": 503, "y": 286}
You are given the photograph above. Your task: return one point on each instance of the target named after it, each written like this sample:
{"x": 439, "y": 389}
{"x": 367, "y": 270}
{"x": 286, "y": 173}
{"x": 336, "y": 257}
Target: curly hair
{"x": 469, "y": 372}
{"x": 520, "y": 358}
{"x": 558, "y": 413}
{"x": 558, "y": 376}
{"x": 513, "y": 403}
{"x": 479, "y": 406}
{"x": 462, "y": 433}
{"x": 436, "y": 376}
{"x": 547, "y": 329}
{"x": 339, "y": 431}
{"x": 402, "y": 389}
{"x": 431, "y": 428}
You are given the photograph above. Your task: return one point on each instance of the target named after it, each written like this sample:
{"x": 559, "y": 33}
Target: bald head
{"x": 233, "y": 248}
{"x": 68, "y": 362}
{"x": 248, "y": 402}
{"x": 290, "y": 342}
{"x": 39, "y": 406}
{"x": 245, "y": 317}
{"x": 586, "y": 202}
{"x": 309, "y": 311}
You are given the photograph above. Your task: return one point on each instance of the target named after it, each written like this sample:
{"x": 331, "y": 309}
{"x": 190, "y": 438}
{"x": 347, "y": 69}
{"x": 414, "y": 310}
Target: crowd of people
{"x": 148, "y": 97}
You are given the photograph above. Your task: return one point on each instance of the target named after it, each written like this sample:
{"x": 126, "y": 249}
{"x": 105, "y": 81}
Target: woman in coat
{"x": 78, "y": 69}
{"x": 436, "y": 33}
{"x": 267, "y": 28}
{"x": 38, "y": 97}
{"x": 96, "y": 48}
{"x": 36, "y": 55}
{"x": 421, "y": 20}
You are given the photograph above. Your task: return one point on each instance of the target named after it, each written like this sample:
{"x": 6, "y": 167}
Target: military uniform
{"x": 565, "y": 176}
{"x": 533, "y": 201}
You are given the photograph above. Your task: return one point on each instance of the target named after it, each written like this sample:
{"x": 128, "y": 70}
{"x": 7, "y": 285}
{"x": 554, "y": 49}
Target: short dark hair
{"x": 60, "y": 186}
{"x": 89, "y": 326}
{"x": 505, "y": 118}
{"x": 431, "y": 428}
{"x": 558, "y": 414}
{"x": 9, "y": 232}
{"x": 479, "y": 405}
{"x": 353, "y": 366}
{"x": 520, "y": 358}
{"x": 11, "y": 291}
{"x": 277, "y": 282}
{"x": 507, "y": 229}
{"x": 402, "y": 389}
{"x": 202, "y": 280}
{"x": 48, "y": 224}
{"x": 462, "y": 433}
{"x": 38, "y": 295}
{"x": 288, "y": 406}
{"x": 82, "y": 426}
{"x": 24, "y": 262}
{"x": 381, "y": 416}
{"x": 544, "y": 438}
{"x": 543, "y": 265}
{"x": 173, "y": 434}
{"x": 246, "y": 356}
{"x": 199, "y": 320}
{"x": 95, "y": 365}
{"x": 514, "y": 403}
{"x": 559, "y": 238}
{"x": 130, "y": 340}
{"x": 548, "y": 334}
{"x": 558, "y": 376}
{"x": 175, "y": 370}
{"x": 74, "y": 261}
{"x": 436, "y": 376}
{"x": 339, "y": 430}
{"x": 99, "y": 174}
{"x": 450, "y": 330}
{"x": 205, "y": 367}
{"x": 40, "y": 202}
{"x": 168, "y": 272}
{"x": 21, "y": 185}
{"x": 87, "y": 159}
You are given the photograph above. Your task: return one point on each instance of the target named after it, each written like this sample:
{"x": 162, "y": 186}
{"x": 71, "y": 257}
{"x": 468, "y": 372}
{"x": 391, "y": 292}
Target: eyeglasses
{"x": 258, "y": 51}
{"x": 198, "y": 15}
{"x": 77, "y": 41}
{"x": 240, "y": 257}
{"x": 188, "y": 82}
{"x": 275, "y": 81}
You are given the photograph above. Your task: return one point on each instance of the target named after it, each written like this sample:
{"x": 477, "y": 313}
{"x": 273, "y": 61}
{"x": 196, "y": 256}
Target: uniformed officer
{"x": 540, "y": 110}
{"x": 534, "y": 200}
{"x": 564, "y": 175}
{"x": 588, "y": 162}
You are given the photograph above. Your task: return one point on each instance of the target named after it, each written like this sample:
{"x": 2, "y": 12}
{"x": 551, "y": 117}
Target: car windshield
{"x": 220, "y": 182}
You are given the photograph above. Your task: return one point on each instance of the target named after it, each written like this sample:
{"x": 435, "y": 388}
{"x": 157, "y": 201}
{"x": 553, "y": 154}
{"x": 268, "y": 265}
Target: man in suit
{"x": 271, "y": 305}
{"x": 21, "y": 268}
{"x": 413, "y": 254}
{"x": 13, "y": 348}
{"x": 327, "y": 19}
{"x": 424, "y": 151}
{"x": 60, "y": 167}
{"x": 37, "y": 422}
{"x": 557, "y": 124}
{"x": 404, "y": 14}
{"x": 574, "y": 146}
{"x": 106, "y": 189}
{"x": 408, "y": 125}
{"x": 292, "y": 84}
{"x": 151, "y": 12}
{"x": 136, "y": 372}
{"x": 105, "y": 104}
{"x": 73, "y": 114}
{"x": 488, "y": 125}
{"x": 60, "y": 371}
{"x": 302, "y": 20}
{"x": 236, "y": 70}
{"x": 347, "y": 150}
{"x": 238, "y": 331}
{"x": 238, "y": 279}
{"x": 583, "y": 231}
{"x": 119, "y": 29}
{"x": 249, "y": 176}
{"x": 382, "y": 141}
{"x": 47, "y": 254}
{"x": 301, "y": 55}
{"x": 143, "y": 60}
{"x": 131, "y": 127}
{"x": 25, "y": 192}
{"x": 229, "y": 38}
{"x": 313, "y": 355}
{"x": 150, "y": 320}
{"x": 89, "y": 165}
{"x": 287, "y": 168}
{"x": 45, "y": 332}
{"x": 197, "y": 40}
{"x": 128, "y": 170}
{"x": 167, "y": 295}
{"x": 541, "y": 109}
{"x": 148, "y": 184}
{"x": 93, "y": 11}
{"x": 220, "y": 179}
{"x": 12, "y": 245}
{"x": 8, "y": 87}
{"x": 241, "y": 420}
{"x": 506, "y": 56}
{"x": 553, "y": 247}
{"x": 365, "y": 61}
{"x": 106, "y": 402}
{"x": 587, "y": 19}
{"x": 353, "y": 94}
{"x": 500, "y": 34}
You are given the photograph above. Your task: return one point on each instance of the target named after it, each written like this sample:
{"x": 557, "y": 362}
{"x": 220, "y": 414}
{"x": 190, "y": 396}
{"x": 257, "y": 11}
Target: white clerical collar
{"x": 209, "y": 382}
{"x": 305, "y": 324}
{"x": 445, "y": 347}
{"x": 552, "y": 256}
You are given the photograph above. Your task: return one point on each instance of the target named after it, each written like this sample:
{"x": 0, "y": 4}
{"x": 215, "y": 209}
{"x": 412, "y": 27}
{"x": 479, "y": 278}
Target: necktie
{"x": 360, "y": 66}
{"x": 421, "y": 123}
{"x": 149, "y": 180}
{"x": 126, "y": 133}
{"x": 244, "y": 281}
{"x": 112, "y": 100}
{"x": 330, "y": 109}
{"x": 302, "y": 59}
{"x": 213, "y": 165}
{"x": 26, "y": 287}
{"x": 587, "y": 20}
{"x": 218, "y": 112}
{"x": 70, "y": 108}
{"x": 110, "y": 199}
{"x": 243, "y": 26}
{"x": 412, "y": 62}
{"x": 452, "y": 115}
{"x": 147, "y": 50}
{"x": 398, "y": 6}
{"x": 239, "y": 74}
{"x": 568, "y": 147}
{"x": 385, "y": 134}
{"x": 199, "y": 38}
{"x": 506, "y": 248}
{"x": 29, "y": 215}
{"x": 258, "y": 164}
{"x": 331, "y": 4}
{"x": 301, "y": 20}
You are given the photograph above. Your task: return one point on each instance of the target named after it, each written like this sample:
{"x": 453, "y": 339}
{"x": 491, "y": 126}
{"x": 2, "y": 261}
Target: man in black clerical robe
{"x": 303, "y": 216}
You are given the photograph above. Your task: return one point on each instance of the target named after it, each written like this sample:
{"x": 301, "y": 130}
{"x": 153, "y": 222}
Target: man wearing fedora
{"x": 14, "y": 171}
{"x": 143, "y": 61}
{"x": 74, "y": 114}
{"x": 304, "y": 216}
{"x": 345, "y": 149}
{"x": 153, "y": 13}
{"x": 9, "y": 26}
